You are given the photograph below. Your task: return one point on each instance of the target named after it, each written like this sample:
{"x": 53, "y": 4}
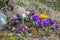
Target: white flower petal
{"x": 27, "y": 12}
{"x": 24, "y": 15}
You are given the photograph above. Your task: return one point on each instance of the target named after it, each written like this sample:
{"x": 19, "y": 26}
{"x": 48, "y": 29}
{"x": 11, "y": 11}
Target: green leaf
{"x": 47, "y": 28}
{"x": 25, "y": 34}
{"x": 1, "y": 1}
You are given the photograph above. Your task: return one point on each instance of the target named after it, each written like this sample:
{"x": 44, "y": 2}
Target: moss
{"x": 55, "y": 6}
{"x": 20, "y": 3}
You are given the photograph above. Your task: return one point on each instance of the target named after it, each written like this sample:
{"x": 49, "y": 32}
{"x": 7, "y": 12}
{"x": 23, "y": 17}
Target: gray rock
{"x": 18, "y": 9}
{"x": 35, "y": 38}
{"x": 2, "y": 19}
{"x": 3, "y": 15}
{"x": 44, "y": 38}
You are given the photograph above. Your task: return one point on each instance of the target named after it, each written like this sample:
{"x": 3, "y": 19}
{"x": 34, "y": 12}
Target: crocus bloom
{"x": 49, "y": 22}
{"x": 17, "y": 21}
{"x": 55, "y": 27}
{"x": 23, "y": 29}
{"x": 38, "y": 20}
{"x": 43, "y": 16}
{"x": 35, "y": 17}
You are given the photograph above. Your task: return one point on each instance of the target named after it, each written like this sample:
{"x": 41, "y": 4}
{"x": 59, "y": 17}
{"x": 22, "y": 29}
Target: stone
{"x": 2, "y": 19}
{"x": 44, "y": 38}
{"x": 18, "y": 9}
{"x": 35, "y": 38}
{"x": 27, "y": 12}
{"x": 3, "y": 15}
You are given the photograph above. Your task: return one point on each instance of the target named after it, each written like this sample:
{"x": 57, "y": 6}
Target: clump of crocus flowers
{"x": 38, "y": 19}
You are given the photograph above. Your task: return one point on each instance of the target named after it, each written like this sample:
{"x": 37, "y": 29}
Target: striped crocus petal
{"x": 47, "y": 22}
{"x": 23, "y": 29}
{"x": 52, "y": 22}
{"x": 17, "y": 21}
{"x": 41, "y": 24}
{"x": 39, "y": 20}
{"x": 35, "y": 17}
{"x": 55, "y": 27}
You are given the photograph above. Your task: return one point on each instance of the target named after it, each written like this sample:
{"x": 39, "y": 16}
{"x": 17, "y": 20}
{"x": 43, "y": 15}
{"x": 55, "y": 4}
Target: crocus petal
{"x": 17, "y": 21}
{"x": 41, "y": 24}
{"x": 51, "y": 22}
{"x": 35, "y": 17}
{"x": 24, "y": 15}
{"x": 23, "y": 29}
{"x": 46, "y": 22}
{"x": 55, "y": 27}
{"x": 39, "y": 20}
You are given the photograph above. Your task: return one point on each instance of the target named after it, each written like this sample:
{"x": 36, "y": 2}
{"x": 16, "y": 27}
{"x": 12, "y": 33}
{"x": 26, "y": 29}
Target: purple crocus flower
{"x": 55, "y": 27}
{"x": 38, "y": 20}
{"x": 35, "y": 17}
{"x": 23, "y": 29}
{"x": 17, "y": 21}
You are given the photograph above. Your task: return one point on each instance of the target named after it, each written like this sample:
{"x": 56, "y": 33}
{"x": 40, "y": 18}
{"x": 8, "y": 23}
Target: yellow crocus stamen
{"x": 43, "y": 16}
{"x": 25, "y": 26}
